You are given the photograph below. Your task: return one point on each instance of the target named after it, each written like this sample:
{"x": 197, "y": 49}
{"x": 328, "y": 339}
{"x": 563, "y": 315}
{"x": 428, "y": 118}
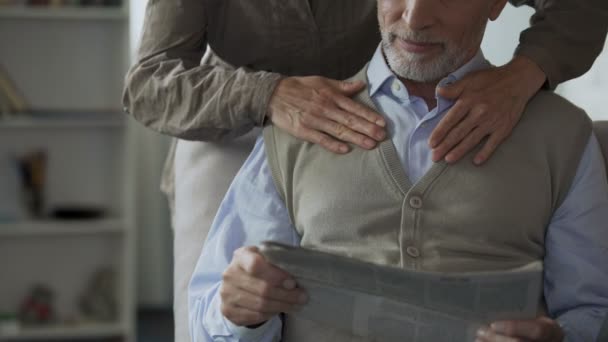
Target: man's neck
{"x": 427, "y": 90}
{"x": 424, "y": 90}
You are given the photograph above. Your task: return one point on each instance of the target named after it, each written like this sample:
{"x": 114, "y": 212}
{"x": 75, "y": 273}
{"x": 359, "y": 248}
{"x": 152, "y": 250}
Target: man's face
{"x": 425, "y": 40}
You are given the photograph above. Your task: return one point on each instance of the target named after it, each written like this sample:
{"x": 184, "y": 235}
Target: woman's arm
{"x": 563, "y": 41}
{"x": 169, "y": 90}
{"x": 565, "y": 36}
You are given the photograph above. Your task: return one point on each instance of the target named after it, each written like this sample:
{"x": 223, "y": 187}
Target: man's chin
{"x": 419, "y": 71}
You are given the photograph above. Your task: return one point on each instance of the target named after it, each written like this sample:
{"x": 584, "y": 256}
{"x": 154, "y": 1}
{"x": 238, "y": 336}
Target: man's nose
{"x": 418, "y": 14}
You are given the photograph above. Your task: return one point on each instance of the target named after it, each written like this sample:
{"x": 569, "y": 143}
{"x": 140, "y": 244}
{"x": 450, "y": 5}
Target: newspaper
{"x": 375, "y": 301}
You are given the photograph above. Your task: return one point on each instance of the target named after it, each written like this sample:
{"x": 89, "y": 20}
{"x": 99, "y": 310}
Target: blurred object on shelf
{"x": 39, "y": 2}
{"x": 33, "y": 178}
{"x": 99, "y": 302}
{"x": 76, "y": 212}
{"x": 11, "y": 204}
{"x": 9, "y": 324}
{"x": 61, "y": 3}
{"x": 91, "y": 2}
{"x": 12, "y": 101}
{"x": 12, "y": 2}
{"x": 38, "y": 306}
{"x": 109, "y": 3}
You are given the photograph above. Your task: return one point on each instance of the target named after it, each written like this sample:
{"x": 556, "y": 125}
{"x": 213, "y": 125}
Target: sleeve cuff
{"x": 248, "y": 334}
{"x": 262, "y": 94}
{"x": 581, "y": 325}
{"x": 544, "y": 60}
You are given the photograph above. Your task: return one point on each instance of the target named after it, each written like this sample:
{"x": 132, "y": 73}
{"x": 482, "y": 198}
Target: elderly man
{"x": 544, "y": 196}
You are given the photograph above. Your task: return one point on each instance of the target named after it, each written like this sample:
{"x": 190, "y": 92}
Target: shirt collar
{"x": 378, "y": 72}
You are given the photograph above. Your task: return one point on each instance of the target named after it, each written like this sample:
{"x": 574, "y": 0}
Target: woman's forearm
{"x": 565, "y": 36}
{"x": 169, "y": 91}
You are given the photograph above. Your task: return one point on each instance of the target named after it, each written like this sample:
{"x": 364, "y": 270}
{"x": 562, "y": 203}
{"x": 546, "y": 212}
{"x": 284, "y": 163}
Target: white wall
{"x": 502, "y": 35}
{"x": 589, "y": 90}
{"x": 154, "y": 236}
{"x": 586, "y": 91}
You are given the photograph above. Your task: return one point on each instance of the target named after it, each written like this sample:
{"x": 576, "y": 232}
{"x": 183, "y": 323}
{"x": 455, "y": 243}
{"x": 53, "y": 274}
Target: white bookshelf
{"x": 70, "y": 63}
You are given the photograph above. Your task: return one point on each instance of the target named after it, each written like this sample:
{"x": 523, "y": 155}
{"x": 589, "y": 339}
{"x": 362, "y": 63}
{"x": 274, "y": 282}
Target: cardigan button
{"x": 416, "y": 202}
{"x": 413, "y": 251}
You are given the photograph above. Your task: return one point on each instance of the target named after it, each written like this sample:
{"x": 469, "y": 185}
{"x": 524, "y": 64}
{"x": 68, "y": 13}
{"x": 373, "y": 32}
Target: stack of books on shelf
{"x": 12, "y": 101}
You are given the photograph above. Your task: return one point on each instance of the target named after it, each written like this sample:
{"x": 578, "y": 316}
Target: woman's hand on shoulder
{"x": 320, "y": 110}
{"x": 489, "y": 103}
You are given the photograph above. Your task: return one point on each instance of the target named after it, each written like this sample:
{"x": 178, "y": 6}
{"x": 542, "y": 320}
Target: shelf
{"x": 60, "y": 123}
{"x": 92, "y": 330}
{"x": 45, "y": 12}
{"x": 61, "y": 228}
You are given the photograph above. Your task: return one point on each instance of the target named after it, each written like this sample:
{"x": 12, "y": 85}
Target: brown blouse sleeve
{"x": 171, "y": 92}
{"x": 565, "y": 36}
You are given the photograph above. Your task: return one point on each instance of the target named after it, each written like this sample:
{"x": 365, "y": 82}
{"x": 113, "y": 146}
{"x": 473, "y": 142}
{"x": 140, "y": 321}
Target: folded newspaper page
{"x": 390, "y": 303}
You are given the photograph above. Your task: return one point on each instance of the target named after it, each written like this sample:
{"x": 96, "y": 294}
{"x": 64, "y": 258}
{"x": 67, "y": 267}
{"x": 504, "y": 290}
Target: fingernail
{"x": 477, "y": 160}
{"x": 289, "y": 284}
{"x": 381, "y": 123}
{"x": 369, "y": 143}
{"x": 303, "y": 298}
{"x": 381, "y": 135}
{"x": 449, "y": 158}
{"x": 499, "y": 327}
{"x": 343, "y": 148}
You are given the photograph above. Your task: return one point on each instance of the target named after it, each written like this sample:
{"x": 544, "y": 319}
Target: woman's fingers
{"x": 347, "y": 87}
{"x": 453, "y": 138}
{"x": 375, "y": 122}
{"x": 494, "y": 140}
{"x": 343, "y": 126}
{"x": 495, "y": 98}
{"x": 469, "y": 142}
{"x": 327, "y": 142}
{"x": 318, "y": 110}
{"x": 447, "y": 124}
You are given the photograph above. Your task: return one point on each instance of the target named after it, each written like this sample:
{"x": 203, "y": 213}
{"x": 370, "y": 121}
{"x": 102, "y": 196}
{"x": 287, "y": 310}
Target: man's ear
{"x": 496, "y": 8}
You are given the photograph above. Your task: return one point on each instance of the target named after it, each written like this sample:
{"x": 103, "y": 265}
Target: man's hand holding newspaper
{"x": 253, "y": 290}
{"x": 490, "y": 306}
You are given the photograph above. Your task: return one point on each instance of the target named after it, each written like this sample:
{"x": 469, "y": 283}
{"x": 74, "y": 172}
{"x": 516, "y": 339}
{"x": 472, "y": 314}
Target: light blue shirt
{"x": 576, "y": 260}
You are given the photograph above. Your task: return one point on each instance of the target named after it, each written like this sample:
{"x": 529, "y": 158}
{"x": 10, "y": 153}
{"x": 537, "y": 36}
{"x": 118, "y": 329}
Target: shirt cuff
{"x": 581, "y": 324}
{"x": 248, "y": 334}
{"x": 265, "y": 87}
{"x": 544, "y": 61}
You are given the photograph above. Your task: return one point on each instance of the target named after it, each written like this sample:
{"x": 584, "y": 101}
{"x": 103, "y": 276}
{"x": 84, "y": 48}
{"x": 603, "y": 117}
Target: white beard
{"x": 414, "y": 67}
